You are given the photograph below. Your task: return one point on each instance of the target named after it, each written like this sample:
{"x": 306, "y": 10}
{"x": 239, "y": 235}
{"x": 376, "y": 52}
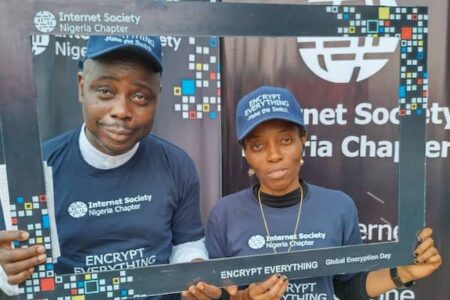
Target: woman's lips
{"x": 276, "y": 173}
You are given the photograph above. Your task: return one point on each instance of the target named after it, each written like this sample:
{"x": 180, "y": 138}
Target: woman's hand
{"x": 427, "y": 259}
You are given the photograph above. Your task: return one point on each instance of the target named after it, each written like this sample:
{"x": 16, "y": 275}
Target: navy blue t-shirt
{"x": 125, "y": 217}
{"x": 328, "y": 219}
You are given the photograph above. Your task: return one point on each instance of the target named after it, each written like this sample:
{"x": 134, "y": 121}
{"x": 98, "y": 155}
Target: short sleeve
{"x": 215, "y": 238}
{"x": 186, "y": 221}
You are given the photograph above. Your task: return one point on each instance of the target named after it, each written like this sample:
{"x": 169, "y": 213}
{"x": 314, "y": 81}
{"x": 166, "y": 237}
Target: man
{"x": 141, "y": 192}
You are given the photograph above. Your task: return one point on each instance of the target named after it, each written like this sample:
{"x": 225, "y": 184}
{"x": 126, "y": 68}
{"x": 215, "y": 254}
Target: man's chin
{"x": 117, "y": 150}
{"x": 114, "y": 147}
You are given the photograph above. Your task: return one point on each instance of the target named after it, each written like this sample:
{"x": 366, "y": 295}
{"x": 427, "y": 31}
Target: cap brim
{"x": 266, "y": 118}
{"x": 152, "y": 58}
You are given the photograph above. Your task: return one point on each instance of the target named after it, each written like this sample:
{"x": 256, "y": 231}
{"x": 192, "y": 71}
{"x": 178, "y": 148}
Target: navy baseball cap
{"x": 264, "y": 104}
{"x": 148, "y": 46}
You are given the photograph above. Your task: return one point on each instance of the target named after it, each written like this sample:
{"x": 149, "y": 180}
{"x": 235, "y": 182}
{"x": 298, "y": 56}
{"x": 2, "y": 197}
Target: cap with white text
{"x": 264, "y": 104}
{"x": 148, "y": 46}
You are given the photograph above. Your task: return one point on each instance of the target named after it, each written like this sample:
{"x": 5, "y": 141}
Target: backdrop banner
{"x": 346, "y": 87}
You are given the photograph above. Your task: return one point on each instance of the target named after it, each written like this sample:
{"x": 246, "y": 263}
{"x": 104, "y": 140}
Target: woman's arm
{"x": 427, "y": 261}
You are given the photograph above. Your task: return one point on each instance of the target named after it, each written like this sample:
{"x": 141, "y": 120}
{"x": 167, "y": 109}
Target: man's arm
{"x": 6, "y": 288}
{"x": 189, "y": 251}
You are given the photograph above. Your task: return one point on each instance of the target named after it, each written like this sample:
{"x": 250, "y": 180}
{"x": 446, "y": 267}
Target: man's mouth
{"x": 118, "y": 133}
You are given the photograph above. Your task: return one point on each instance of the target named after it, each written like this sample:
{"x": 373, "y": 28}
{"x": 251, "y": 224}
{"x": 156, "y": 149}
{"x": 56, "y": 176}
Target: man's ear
{"x": 80, "y": 79}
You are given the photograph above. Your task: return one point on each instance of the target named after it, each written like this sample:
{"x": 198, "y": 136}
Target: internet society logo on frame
{"x": 343, "y": 59}
{"x": 74, "y": 23}
{"x": 39, "y": 43}
{"x": 44, "y": 21}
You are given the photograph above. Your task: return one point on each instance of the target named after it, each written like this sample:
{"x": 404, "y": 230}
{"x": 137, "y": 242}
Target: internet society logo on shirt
{"x": 100, "y": 208}
{"x": 78, "y": 209}
{"x": 284, "y": 241}
{"x": 256, "y": 242}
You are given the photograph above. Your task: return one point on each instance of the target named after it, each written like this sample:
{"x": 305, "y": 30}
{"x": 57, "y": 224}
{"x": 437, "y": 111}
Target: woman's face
{"x": 274, "y": 150}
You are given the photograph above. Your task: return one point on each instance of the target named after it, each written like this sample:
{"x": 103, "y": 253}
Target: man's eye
{"x": 140, "y": 98}
{"x": 104, "y": 92}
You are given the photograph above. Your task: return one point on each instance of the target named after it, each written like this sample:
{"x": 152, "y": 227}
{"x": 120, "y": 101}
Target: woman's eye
{"x": 257, "y": 147}
{"x": 286, "y": 140}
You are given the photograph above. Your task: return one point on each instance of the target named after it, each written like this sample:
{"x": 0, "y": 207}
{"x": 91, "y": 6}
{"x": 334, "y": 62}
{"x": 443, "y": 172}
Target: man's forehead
{"x": 120, "y": 70}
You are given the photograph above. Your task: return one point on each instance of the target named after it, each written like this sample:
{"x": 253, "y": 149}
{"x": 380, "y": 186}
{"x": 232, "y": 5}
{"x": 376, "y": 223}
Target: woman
{"x": 272, "y": 134}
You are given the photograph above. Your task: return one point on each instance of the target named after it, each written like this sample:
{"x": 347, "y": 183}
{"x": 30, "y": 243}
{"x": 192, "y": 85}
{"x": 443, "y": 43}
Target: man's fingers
{"x": 23, "y": 265}
{"x": 187, "y": 295}
{"x": 202, "y": 296}
{"x": 201, "y": 291}
{"x": 231, "y": 290}
{"x": 21, "y": 277}
{"x": 19, "y": 254}
{"x": 196, "y": 293}
{"x": 210, "y": 291}
{"x": 7, "y": 236}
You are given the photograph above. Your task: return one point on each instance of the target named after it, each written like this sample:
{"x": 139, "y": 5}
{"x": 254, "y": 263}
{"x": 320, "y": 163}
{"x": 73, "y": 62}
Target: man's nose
{"x": 121, "y": 108}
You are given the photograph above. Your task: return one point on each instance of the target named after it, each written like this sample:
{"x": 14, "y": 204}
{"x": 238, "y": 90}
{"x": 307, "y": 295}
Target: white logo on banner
{"x": 44, "y": 21}
{"x": 256, "y": 242}
{"x": 336, "y": 59}
{"x": 39, "y": 43}
{"x": 77, "y": 209}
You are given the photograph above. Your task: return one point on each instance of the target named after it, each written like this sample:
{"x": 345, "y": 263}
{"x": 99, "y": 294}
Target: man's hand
{"x": 271, "y": 289}
{"x": 204, "y": 291}
{"x": 19, "y": 264}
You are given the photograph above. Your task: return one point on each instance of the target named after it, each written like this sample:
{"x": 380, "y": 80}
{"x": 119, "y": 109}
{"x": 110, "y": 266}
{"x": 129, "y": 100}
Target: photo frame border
{"x": 23, "y": 159}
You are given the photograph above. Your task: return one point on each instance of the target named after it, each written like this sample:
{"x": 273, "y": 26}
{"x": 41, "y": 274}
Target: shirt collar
{"x": 98, "y": 159}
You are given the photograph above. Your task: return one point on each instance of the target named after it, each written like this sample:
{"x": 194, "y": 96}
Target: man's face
{"x": 118, "y": 98}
